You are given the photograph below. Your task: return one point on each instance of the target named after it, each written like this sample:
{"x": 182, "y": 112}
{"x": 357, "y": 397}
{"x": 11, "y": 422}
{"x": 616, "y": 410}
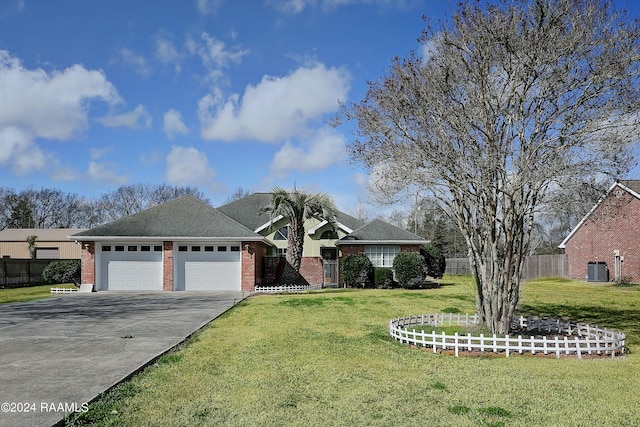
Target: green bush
{"x": 65, "y": 271}
{"x": 435, "y": 262}
{"x": 383, "y": 277}
{"x": 409, "y": 268}
{"x": 356, "y": 270}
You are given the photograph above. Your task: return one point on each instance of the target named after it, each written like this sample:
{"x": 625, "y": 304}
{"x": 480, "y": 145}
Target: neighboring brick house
{"x": 605, "y": 245}
{"x": 186, "y": 244}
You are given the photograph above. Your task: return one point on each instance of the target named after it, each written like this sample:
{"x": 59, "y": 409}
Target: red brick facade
{"x": 87, "y": 264}
{"x": 167, "y": 266}
{"x": 252, "y": 256}
{"x": 312, "y": 270}
{"x": 614, "y": 225}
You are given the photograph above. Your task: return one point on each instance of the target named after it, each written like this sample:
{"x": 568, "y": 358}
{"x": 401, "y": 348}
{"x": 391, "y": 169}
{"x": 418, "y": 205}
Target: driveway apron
{"x": 58, "y": 354}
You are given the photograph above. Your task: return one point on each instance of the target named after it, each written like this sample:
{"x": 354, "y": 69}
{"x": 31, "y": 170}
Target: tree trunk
{"x": 295, "y": 244}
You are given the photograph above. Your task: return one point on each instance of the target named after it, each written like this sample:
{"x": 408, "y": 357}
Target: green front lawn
{"x": 28, "y": 293}
{"x": 325, "y": 358}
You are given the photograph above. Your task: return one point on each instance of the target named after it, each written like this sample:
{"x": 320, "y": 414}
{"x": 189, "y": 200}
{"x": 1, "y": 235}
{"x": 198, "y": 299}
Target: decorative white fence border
{"x": 286, "y": 288}
{"x": 63, "y": 290}
{"x": 585, "y": 339}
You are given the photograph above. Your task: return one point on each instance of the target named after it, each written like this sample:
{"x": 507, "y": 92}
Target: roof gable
{"x": 630, "y": 186}
{"x": 247, "y": 211}
{"x": 186, "y": 216}
{"x": 379, "y": 231}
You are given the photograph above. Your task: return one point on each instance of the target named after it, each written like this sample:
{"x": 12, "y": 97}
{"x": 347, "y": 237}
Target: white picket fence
{"x": 286, "y": 288}
{"x": 63, "y": 290}
{"x": 577, "y": 339}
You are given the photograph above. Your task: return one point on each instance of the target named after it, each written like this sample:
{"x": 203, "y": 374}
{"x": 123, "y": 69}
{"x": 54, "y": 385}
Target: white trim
{"x": 268, "y": 224}
{"x": 324, "y": 222}
{"x": 584, "y": 219}
{"x": 382, "y": 242}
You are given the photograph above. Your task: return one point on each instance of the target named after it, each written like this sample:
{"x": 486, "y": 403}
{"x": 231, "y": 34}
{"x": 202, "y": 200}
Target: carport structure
{"x": 184, "y": 244}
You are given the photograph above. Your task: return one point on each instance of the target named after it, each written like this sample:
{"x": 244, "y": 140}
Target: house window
{"x": 157, "y": 248}
{"x": 282, "y": 251}
{"x": 145, "y": 248}
{"x": 183, "y": 248}
{"x": 119, "y": 248}
{"x": 106, "y": 248}
{"x": 195, "y": 248}
{"x": 208, "y": 248}
{"x": 281, "y": 234}
{"x": 329, "y": 234}
{"x": 381, "y": 256}
{"x": 132, "y": 248}
{"x": 235, "y": 248}
{"x": 222, "y": 249}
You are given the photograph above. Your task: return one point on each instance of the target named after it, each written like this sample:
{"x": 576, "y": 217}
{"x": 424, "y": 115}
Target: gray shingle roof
{"x": 247, "y": 212}
{"x": 633, "y": 185}
{"x": 381, "y": 231}
{"x": 183, "y": 217}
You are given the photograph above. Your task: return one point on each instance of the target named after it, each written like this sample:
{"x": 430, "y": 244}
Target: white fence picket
{"x": 587, "y": 339}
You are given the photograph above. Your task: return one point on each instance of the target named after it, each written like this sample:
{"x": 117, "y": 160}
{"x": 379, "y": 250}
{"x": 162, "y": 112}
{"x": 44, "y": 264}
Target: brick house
{"x": 605, "y": 245}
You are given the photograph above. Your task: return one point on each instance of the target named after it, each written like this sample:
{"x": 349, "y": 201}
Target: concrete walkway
{"x": 60, "y": 353}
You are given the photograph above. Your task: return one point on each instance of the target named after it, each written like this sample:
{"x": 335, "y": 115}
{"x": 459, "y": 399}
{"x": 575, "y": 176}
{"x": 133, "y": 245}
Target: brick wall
{"x": 312, "y": 270}
{"x": 167, "y": 266}
{"x": 87, "y": 263}
{"x": 614, "y": 225}
{"x": 252, "y": 258}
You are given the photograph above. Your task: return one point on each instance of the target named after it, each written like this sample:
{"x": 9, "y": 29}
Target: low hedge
{"x": 65, "y": 271}
{"x": 409, "y": 268}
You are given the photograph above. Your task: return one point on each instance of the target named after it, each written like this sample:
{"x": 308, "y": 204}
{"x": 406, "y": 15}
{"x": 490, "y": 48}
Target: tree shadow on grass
{"x": 626, "y": 321}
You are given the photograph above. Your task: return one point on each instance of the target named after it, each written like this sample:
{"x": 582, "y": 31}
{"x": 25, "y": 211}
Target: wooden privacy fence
{"x": 535, "y": 266}
{"x": 572, "y": 339}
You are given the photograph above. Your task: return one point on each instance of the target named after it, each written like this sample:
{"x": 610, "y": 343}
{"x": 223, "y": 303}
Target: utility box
{"x": 597, "y": 271}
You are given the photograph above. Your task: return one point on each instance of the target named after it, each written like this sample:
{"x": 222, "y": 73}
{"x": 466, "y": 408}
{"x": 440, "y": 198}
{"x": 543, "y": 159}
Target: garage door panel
{"x": 212, "y": 275}
{"x": 135, "y": 276}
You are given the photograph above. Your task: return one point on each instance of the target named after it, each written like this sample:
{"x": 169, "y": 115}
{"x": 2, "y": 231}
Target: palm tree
{"x": 298, "y": 207}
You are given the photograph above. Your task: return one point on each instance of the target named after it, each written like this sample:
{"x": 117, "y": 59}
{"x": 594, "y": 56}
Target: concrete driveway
{"x": 60, "y": 353}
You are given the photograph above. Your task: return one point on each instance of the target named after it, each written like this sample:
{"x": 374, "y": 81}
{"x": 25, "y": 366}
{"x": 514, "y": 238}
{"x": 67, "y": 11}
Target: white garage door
{"x": 211, "y": 268}
{"x": 130, "y": 267}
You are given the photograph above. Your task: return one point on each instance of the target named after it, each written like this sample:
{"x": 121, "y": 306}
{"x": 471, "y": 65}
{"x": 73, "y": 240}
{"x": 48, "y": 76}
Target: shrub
{"x": 357, "y": 270}
{"x": 66, "y": 271}
{"x": 409, "y": 267}
{"x": 435, "y": 262}
{"x": 383, "y": 277}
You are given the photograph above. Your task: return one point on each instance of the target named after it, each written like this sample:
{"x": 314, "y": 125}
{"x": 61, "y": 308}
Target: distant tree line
{"x": 52, "y": 208}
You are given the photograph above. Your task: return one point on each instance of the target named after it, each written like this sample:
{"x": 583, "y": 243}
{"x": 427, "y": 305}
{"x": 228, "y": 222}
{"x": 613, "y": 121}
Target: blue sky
{"x": 217, "y": 94}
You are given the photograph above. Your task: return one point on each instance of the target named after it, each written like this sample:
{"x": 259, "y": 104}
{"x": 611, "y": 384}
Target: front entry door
{"x": 330, "y": 264}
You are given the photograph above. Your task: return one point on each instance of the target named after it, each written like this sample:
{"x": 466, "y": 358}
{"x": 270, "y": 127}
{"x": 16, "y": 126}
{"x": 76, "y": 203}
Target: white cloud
{"x": 97, "y": 153}
{"x": 188, "y": 166}
{"x": 173, "y": 124}
{"x": 138, "y": 62}
{"x": 50, "y": 105}
{"x": 213, "y": 52}
{"x": 44, "y": 104}
{"x": 103, "y": 172}
{"x": 206, "y": 7}
{"x": 18, "y": 150}
{"x": 167, "y": 53}
{"x": 138, "y": 118}
{"x": 275, "y": 109}
{"x": 323, "y": 150}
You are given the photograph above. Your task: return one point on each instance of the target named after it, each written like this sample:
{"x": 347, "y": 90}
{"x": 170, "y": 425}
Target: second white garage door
{"x": 211, "y": 269}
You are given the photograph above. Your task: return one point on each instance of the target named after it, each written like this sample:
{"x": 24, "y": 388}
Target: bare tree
{"x": 130, "y": 199}
{"x": 239, "y": 193}
{"x": 510, "y": 99}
